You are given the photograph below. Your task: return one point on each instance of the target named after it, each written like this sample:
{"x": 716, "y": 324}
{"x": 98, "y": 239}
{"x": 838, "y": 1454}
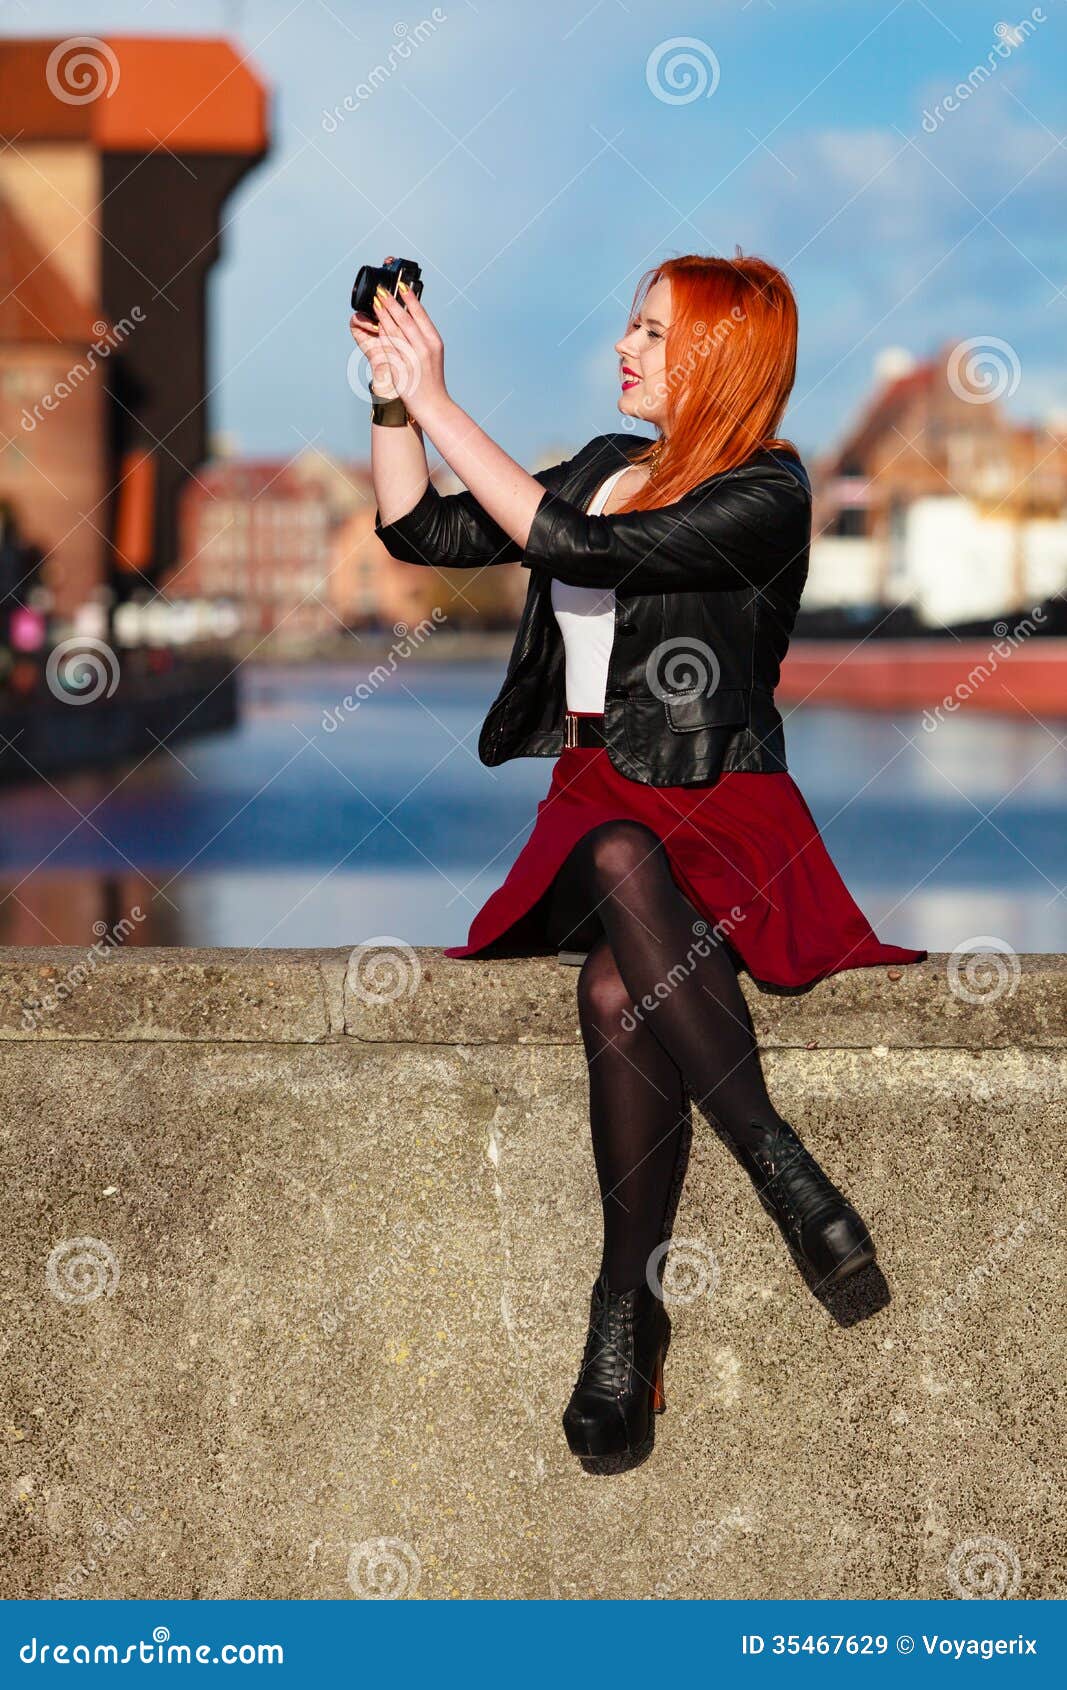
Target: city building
{"x": 292, "y": 543}
{"x": 116, "y": 157}
{"x": 257, "y": 532}
{"x": 937, "y": 501}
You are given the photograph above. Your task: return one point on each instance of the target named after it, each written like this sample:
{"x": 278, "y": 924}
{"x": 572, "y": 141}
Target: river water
{"x": 291, "y": 832}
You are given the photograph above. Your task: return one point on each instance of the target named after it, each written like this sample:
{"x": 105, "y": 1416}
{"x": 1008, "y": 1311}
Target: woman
{"x": 665, "y": 580}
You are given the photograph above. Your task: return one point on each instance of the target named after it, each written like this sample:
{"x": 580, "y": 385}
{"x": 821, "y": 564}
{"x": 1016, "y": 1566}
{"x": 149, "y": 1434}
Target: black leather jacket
{"x": 707, "y": 591}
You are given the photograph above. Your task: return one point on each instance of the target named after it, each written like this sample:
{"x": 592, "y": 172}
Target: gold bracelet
{"x": 391, "y": 413}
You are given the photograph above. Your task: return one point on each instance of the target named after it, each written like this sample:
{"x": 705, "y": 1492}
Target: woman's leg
{"x": 637, "y": 1106}
{"x": 683, "y": 988}
{"x": 619, "y": 874}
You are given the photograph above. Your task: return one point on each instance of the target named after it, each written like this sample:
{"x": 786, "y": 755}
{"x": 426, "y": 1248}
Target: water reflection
{"x": 288, "y": 832}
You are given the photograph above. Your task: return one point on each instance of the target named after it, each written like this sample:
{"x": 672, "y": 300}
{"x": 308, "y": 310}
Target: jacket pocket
{"x": 725, "y": 707}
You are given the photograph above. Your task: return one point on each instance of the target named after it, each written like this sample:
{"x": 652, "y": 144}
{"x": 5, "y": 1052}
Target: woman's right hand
{"x": 365, "y": 334}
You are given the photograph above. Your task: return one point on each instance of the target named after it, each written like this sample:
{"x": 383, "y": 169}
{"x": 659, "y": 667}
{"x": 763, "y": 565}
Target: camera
{"x": 388, "y": 275}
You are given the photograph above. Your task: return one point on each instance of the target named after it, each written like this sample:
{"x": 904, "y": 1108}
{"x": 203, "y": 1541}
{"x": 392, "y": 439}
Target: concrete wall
{"x": 339, "y": 1224}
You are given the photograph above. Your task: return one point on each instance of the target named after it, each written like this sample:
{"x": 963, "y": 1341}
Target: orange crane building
{"x": 117, "y": 156}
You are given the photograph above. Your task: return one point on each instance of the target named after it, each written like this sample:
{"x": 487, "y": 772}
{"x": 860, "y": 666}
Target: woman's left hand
{"x": 415, "y": 349}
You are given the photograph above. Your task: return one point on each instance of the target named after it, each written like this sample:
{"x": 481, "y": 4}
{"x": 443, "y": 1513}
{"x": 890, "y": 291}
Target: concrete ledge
{"x": 531, "y": 1001}
{"x": 298, "y": 1250}
{"x": 420, "y": 996}
{"x": 154, "y": 994}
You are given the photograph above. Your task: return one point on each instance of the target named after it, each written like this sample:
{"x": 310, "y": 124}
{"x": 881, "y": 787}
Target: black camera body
{"x": 388, "y": 275}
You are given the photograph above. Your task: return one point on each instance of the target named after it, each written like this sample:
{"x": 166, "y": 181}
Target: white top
{"x": 586, "y": 617}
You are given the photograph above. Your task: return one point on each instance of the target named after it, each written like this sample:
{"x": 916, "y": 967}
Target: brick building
{"x": 293, "y": 542}
{"x": 936, "y": 498}
{"x": 257, "y": 533}
{"x": 116, "y": 157}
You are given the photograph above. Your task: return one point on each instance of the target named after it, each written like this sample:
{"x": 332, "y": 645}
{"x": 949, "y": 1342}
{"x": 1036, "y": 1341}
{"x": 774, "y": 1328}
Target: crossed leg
{"x": 616, "y": 890}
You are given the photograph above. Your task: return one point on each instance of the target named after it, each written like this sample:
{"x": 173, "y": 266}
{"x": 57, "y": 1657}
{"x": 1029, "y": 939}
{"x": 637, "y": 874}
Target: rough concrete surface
{"x": 289, "y": 1271}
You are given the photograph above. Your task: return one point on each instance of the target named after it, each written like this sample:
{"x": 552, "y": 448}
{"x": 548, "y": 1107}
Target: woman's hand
{"x": 416, "y": 361}
{"x": 414, "y": 350}
{"x": 365, "y": 334}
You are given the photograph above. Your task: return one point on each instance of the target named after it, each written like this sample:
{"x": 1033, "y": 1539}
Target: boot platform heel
{"x": 826, "y": 1237}
{"x": 609, "y": 1421}
{"x": 659, "y": 1401}
{"x": 845, "y": 1246}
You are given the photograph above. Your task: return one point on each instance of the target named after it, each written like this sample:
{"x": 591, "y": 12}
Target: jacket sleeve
{"x": 744, "y": 529}
{"x": 452, "y": 530}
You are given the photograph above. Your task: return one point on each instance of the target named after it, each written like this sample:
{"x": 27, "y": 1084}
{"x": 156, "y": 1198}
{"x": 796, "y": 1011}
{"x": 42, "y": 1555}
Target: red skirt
{"x": 744, "y": 848}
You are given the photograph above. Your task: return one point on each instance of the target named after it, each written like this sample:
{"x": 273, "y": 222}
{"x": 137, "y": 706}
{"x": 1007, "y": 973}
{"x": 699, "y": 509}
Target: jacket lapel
{"x": 585, "y": 478}
{"x": 539, "y": 625}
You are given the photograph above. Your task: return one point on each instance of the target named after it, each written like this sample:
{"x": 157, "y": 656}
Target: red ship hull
{"x": 929, "y": 674}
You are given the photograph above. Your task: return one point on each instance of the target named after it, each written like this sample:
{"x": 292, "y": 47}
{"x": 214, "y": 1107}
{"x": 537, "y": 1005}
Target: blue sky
{"x": 520, "y": 153}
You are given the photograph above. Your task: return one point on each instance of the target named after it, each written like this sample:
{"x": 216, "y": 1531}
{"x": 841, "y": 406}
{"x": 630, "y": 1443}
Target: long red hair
{"x": 730, "y": 366}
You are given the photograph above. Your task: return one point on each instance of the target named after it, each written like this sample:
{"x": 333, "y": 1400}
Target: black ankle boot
{"x": 824, "y": 1233}
{"x": 609, "y": 1419}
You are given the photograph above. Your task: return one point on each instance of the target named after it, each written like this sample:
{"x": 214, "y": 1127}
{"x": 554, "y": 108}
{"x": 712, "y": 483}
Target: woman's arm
{"x": 413, "y": 520}
{"x": 503, "y": 489}
{"x": 747, "y": 528}
{"x": 452, "y": 530}
{"x": 398, "y": 466}
{"x": 399, "y": 471}
{"x": 506, "y": 492}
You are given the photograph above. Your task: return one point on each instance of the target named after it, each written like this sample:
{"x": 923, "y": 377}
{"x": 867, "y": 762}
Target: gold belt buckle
{"x": 570, "y": 735}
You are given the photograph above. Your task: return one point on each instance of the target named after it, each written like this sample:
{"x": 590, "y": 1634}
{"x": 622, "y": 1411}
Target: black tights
{"x": 616, "y": 893}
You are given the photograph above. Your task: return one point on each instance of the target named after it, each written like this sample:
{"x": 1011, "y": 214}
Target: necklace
{"x": 654, "y": 458}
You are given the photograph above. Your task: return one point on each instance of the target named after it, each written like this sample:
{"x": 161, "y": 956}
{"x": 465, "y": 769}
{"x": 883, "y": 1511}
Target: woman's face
{"x": 643, "y": 358}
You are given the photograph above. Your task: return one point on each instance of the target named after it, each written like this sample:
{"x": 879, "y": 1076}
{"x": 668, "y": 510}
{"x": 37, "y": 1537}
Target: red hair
{"x": 730, "y": 366}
